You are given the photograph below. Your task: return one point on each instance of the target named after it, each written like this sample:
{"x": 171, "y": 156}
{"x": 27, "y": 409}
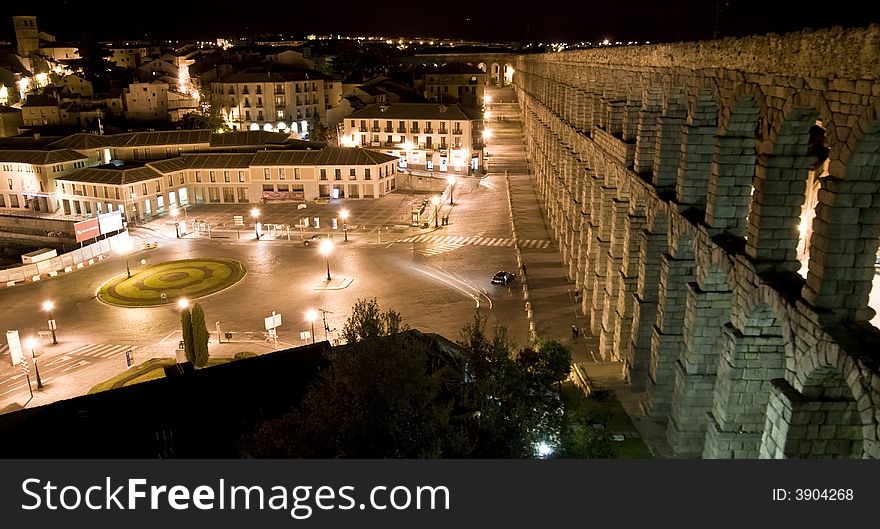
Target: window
{"x": 352, "y": 174}
{"x": 337, "y": 174}
{"x": 158, "y": 187}
{"x": 296, "y": 175}
{"x": 131, "y": 191}
{"x": 281, "y": 173}
{"x": 198, "y": 176}
{"x": 323, "y": 174}
{"x": 367, "y": 173}
{"x": 181, "y": 179}
{"x": 268, "y": 187}
{"x": 279, "y": 114}
{"x": 212, "y": 176}
{"x": 266, "y": 173}
{"x": 241, "y": 176}
{"x": 117, "y": 193}
{"x": 144, "y": 189}
{"x": 170, "y": 181}
{"x": 226, "y": 176}
{"x": 106, "y": 192}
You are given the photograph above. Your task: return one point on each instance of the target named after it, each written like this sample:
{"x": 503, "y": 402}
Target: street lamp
{"x": 31, "y": 343}
{"x": 255, "y": 213}
{"x": 326, "y": 248}
{"x": 344, "y": 215}
{"x": 48, "y": 306}
{"x": 451, "y": 181}
{"x": 182, "y": 303}
{"x": 175, "y": 213}
{"x": 124, "y": 249}
{"x": 436, "y": 202}
{"x": 311, "y": 316}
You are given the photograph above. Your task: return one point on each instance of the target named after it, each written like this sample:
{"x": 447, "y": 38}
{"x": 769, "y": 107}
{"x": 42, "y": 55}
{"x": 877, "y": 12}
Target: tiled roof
{"x": 326, "y": 156}
{"x": 168, "y": 166}
{"x": 456, "y": 68}
{"x": 217, "y": 160}
{"x": 264, "y": 76}
{"x": 82, "y": 140}
{"x": 102, "y": 175}
{"x": 39, "y": 100}
{"x": 171, "y": 137}
{"x": 248, "y": 137}
{"x": 426, "y": 111}
{"x": 27, "y": 142}
{"x": 41, "y": 157}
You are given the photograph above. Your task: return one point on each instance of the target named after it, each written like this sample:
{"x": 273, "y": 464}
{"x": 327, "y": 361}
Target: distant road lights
{"x": 255, "y": 213}
{"x": 344, "y": 215}
{"x": 326, "y": 249}
{"x": 48, "y": 305}
{"x": 451, "y": 181}
{"x": 436, "y": 201}
{"x": 311, "y": 316}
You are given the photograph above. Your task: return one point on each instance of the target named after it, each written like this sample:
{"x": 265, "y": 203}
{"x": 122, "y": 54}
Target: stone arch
{"x": 818, "y": 417}
{"x": 699, "y": 133}
{"x": 754, "y": 353}
{"x": 846, "y": 231}
{"x": 507, "y": 74}
{"x": 781, "y": 176}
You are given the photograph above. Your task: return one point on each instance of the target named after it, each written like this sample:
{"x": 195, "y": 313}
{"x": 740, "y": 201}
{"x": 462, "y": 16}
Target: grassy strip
{"x": 152, "y": 369}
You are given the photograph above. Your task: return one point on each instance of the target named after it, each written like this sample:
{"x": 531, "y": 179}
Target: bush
{"x": 244, "y": 354}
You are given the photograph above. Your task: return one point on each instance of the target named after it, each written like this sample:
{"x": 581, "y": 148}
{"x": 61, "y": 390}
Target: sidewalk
{"x": 550, "y": 290}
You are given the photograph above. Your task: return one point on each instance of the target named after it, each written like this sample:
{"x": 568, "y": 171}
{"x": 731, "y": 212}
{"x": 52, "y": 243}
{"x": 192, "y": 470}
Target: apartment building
{"x": 258, "y": 99}
{"x": 422, "y": 136}
{"x": 456, "y": 83}
{"x": 144, "y": 190}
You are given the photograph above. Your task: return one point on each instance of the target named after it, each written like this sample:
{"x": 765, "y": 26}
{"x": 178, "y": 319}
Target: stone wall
{"x": 673, "y": 178}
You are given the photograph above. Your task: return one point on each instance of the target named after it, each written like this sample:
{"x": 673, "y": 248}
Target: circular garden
{"x": 165, "y": 283}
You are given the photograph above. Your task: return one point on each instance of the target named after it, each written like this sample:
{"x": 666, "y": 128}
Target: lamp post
{"x": 311, "y": 316}
{"x": 32, "y": 344}
{"x": 48, "y": 306}
{"x": 436, "y": 202}
{"x": 325, "y": 249}
{"x": 344, "y": 215}
{"x": 174, "y": 213}
{"x": 255, "y": 213}
{"x": 451, "y": 181}
{"x": 124, "y": 249}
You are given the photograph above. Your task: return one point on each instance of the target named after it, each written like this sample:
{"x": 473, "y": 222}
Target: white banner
{"x": 110, "y": 222}
{"x": 14, "y": 342}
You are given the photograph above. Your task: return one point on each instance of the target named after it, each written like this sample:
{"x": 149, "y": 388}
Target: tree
{"x": 208, "y": 117}
{"x": 200, "y": 337}
{"x": 186, "y": 329}
{"x": 548, "y": 361}
{"x": 367, "y": 322}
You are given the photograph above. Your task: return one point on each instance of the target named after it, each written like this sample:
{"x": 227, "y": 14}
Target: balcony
{"x": 279, "y": 92}
{"x": 456, "y": 131}
{"x": 429, "y": 130}
{"x": 442, "y": 131}
{"x": 362, "y": 129}
{"x": 375, "y": 144}
{"x": 401, "y": 130}
{"x": 390, "y": 144}
{"x": 415, "y": 130}
{"x": 389, "y": 129}
{"x": 375, "y": 129}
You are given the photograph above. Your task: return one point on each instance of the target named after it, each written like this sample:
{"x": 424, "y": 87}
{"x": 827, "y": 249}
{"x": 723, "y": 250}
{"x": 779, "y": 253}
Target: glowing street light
{"x": 326, "y": 249}
{"x": 344, "y": 215}
{"x": 255, "y": 213}
{"x": 487, "y": 134}
{"x": 48, "y": 306}
{"x": 436, "y": 202}
{"x": 182, "y": 303}
{"x": 31, "y": 343}
{"x": 311, "y": 316}
{"x": 451, "y": 181}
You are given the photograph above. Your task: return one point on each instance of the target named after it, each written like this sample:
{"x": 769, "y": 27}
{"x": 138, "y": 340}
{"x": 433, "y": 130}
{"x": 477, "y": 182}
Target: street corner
{"x": 337, "y": 283}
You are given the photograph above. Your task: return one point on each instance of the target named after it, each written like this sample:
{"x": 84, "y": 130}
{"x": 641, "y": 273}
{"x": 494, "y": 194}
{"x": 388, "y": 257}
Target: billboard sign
{"x": 87, "y": 229}
{"x": 14, "y": 342}
{"x": 110, "y": 222}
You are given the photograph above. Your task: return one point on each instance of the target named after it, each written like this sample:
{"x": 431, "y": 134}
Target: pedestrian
{"x": 524, "y": 268}
{"x": 577, "y": 297}
{"x": 574, "y": 332}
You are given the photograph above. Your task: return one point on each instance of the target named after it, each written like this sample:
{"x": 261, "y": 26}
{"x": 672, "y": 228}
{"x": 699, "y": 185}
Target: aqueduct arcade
{"x": 717, "y": 205}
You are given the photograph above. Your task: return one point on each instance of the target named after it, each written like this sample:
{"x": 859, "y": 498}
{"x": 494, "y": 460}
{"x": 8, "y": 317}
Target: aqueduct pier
{"x": 717, "y": 205}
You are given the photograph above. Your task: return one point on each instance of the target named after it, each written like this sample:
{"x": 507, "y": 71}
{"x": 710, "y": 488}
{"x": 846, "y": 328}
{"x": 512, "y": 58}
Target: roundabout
{"x": 165, "y": 283}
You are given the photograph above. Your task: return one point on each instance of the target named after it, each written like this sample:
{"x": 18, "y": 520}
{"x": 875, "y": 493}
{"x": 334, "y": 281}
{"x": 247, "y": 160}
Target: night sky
{"x": 624, "y": 20}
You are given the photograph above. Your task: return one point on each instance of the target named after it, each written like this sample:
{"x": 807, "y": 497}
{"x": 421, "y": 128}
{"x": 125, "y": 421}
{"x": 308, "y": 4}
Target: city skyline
{"x": 638, "y": 20}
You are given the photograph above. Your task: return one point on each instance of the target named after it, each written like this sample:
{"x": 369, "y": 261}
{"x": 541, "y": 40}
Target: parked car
{"x": 314, "y": 239}
{"x": 151, "y": 245}
{"x": 502, "y": 278}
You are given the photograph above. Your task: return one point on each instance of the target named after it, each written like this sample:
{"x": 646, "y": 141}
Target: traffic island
{"x": 337, "y": 283}
{"x": 165, "y": 283}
